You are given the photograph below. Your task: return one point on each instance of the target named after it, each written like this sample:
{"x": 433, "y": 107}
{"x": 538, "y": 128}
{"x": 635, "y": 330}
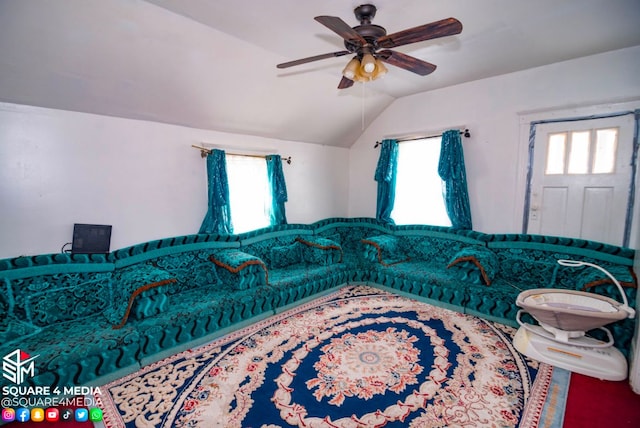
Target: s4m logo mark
{"x": 18, "y": 364}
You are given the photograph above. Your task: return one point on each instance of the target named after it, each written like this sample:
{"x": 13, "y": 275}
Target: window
{"x": 582, "y": 152}
{"x": 249, "y": 193}
{"x": 418, "y": 186}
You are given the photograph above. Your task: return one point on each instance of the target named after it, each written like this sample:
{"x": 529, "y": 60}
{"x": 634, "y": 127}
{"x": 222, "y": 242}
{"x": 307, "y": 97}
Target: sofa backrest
{"x": 531, "y": 260}
{"x": 437, "y": 244}
{"x": 349, "y": 233}
{"x": 271, "y": 243}
{"x": 52, "y": 288}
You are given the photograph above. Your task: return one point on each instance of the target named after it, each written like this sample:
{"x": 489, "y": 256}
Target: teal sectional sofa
{"x": 90, "y": 318}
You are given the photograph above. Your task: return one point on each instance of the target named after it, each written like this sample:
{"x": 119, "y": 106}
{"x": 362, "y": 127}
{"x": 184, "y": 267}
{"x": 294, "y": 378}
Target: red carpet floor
{"x": 594, "y": 403}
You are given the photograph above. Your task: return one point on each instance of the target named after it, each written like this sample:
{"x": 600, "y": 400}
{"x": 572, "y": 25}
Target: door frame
{"x": 528, "y": 124}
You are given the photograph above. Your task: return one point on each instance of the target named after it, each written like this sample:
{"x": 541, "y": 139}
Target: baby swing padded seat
{"x": 570, "y": 310}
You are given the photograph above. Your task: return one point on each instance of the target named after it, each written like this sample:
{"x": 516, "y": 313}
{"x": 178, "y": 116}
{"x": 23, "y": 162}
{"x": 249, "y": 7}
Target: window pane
{"x": 555, "y": 154}
{"x": 418, "y": 186}
{"x": 579, "y": 153}
{"x": 604, "y": 161}
{"x": 249, "y": 193}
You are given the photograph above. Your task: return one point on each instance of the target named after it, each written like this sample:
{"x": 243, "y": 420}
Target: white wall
{"x": 58, "y": 168}
{"x": 491, "y": 109}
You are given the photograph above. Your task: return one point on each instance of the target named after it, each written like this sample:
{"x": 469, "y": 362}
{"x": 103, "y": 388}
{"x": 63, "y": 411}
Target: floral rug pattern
{"x": 359, "y": 357}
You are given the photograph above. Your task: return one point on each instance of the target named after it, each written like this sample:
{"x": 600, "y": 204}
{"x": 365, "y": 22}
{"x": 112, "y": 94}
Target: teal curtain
{"x": 218, "y": 217}
{"x": 452, "y": 171}
{"x": 278, "y": 189}
{"x": 385, "y": 175}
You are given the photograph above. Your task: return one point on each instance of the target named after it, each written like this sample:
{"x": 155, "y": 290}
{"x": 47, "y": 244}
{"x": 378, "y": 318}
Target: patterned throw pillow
{"x": 286, "y": 255}
{"x": 475, "y": 263}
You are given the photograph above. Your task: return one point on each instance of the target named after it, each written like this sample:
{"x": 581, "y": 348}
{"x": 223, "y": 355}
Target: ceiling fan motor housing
{"x": 370, "y": 32}
{"x": 365, "y": 13}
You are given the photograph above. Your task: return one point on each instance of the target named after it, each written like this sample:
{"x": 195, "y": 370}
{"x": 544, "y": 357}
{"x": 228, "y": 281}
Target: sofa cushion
{"x": 72, "y": 303}
{"x": 591, "y": 277}
{"x": 6, "y": 298}
{"x": 384, "y": 249}
{"x": 242, "y": 270}
{"x": 191, "y": 269}
{"x": 74, "y": 353}
{"x": 131, "y": 282}
{"x": 12, "y": 330}
{"x": 526, "y": 268}
{"x": 286, "y": 255}
{"x": 475, "y": 263}
{"x": 320, "y": 251}
{"x": 148, "y": 304}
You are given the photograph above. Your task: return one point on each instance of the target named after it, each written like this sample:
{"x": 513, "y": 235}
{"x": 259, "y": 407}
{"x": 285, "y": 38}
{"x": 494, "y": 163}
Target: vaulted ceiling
{"x": 211, "y": 64}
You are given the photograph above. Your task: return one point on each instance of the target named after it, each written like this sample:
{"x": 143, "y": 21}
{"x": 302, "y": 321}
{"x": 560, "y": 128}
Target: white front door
{"x": 581, "y": 177}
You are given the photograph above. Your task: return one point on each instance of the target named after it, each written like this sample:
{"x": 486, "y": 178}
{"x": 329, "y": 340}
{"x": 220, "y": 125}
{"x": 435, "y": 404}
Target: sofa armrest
{"x": 133, "y": 282}
{"x": 475, "y": 263}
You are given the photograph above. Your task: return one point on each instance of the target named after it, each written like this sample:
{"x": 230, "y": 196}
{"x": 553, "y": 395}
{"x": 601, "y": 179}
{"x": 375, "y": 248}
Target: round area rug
{"x": 364, "y": 359}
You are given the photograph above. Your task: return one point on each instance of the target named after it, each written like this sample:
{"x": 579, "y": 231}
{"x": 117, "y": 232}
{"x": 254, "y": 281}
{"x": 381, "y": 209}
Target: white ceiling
{"x": 211, "y": 64}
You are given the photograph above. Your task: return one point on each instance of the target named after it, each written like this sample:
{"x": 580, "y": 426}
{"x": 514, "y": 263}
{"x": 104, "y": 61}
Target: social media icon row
{"x": 51, "y": 414}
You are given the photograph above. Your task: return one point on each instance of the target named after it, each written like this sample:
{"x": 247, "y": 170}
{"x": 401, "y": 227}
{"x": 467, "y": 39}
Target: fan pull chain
{"x": 362, "y": 114}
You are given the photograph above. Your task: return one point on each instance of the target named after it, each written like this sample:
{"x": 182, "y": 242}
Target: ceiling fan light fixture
{"x": 368, "y": 63}
{"x": 380, "y": 70}
{"x": 362, "y": 76}
{"x": 351, "y": 69}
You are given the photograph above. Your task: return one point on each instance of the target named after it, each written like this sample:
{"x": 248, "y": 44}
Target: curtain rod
{"x": 464, "y": 133}
{"x": 204, "y": 152}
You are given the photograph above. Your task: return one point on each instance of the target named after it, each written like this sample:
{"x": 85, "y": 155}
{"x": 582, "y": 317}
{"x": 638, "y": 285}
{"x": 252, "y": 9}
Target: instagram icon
{"x": 8, "y": 415}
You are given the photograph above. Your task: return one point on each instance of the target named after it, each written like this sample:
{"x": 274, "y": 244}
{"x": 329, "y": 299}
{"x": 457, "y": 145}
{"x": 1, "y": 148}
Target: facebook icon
{"x": 23, "y": 414}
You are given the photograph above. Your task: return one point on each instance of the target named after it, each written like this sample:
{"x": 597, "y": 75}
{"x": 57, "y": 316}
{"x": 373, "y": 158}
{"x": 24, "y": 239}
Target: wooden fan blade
{"x": 341, "y": 28}
{"x": 312, "y": 58}
{"x": 407, "y": 62}
{"x": 434, "y": 30}
{"x": 345, "y": 83}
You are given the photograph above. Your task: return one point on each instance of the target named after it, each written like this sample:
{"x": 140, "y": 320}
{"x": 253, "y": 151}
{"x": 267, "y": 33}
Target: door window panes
{"x": 582, "y": 152}
{"x": 579, "y": 153}
{"x": 555, "y": 153}
{"x": 604, "y": 161}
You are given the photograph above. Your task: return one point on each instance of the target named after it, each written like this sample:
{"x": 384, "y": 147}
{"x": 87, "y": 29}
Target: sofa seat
{"x": 199, "y": 312}
{"x": 76, "y": 353}
{"x": 425, "y": 279}
{"x": 295, "y": 282}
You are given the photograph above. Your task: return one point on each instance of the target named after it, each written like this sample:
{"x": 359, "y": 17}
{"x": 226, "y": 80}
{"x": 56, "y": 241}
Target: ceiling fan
{"x": 370, "y": 43}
